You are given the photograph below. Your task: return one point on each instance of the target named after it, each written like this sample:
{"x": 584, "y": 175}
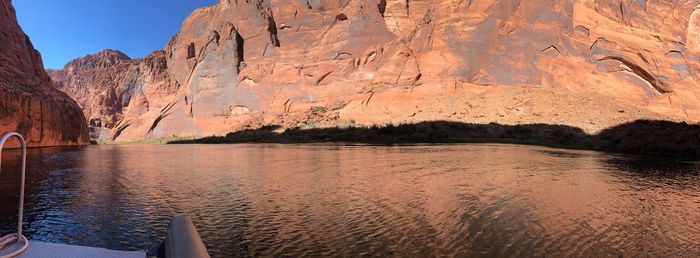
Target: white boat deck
{"x": 38, "y": 249}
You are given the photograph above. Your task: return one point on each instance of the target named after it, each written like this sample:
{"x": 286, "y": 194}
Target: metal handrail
{"x": 23, "y": 146}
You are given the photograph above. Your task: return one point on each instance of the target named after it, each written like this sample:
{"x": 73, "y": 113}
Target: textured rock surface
{"x": 28, "y": 102}
{"x": 591, "y": 64}
{"x": 109, "y": 85}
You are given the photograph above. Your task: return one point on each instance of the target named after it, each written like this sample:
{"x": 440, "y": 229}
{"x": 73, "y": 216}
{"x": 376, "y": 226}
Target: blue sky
{"x": 65, "y": 29}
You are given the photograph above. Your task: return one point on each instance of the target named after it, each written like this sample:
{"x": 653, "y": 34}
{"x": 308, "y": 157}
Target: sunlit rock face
{"x": 28, "y": 102}
{"x": 585, "y": 63}
{"x": 115, "y": 90}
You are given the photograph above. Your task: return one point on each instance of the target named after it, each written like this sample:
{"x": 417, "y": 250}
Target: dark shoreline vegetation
{"x": 643, "y": 137}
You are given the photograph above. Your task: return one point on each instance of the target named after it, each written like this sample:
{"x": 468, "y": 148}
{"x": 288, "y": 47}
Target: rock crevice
{"x": 506, "y": 61}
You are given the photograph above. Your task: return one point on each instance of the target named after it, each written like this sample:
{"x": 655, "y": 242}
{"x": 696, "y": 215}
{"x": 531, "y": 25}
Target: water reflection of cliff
{"x": 340, "y": 200}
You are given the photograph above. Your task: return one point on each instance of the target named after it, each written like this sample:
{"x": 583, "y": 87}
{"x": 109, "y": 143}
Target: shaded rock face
{"x": 28, "y": 102}
{"x": 591, "y": 64}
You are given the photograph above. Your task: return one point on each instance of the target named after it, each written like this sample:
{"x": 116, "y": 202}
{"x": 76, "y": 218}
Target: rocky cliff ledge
{"x": 29, "y": 104}
{"x": 111, "y": 86}
{"x": 591, "y": 64}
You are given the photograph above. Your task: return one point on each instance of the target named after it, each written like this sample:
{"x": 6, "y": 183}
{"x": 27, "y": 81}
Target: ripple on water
{"x": 320, "y": 200}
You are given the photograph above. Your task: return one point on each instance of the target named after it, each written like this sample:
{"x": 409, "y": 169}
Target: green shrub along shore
{"x": 645, "y": 137}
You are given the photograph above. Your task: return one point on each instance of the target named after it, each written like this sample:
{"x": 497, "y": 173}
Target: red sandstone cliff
{"x": 109, "y": 84}
{"x": 591, "y": 64}
{"x": 29, "y": 104}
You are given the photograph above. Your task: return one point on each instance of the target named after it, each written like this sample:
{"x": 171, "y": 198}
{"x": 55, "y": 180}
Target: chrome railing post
{"x": 23, "y": 146}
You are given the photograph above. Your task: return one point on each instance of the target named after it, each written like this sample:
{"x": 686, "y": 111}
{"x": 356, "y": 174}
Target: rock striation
{"x": 111, "y": 87}
{"x": 29, "y": 104}
{"x": 591, "y": 64}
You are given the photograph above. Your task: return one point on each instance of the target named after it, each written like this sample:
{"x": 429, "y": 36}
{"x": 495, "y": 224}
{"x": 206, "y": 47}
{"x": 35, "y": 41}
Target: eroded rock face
{"x": 29, "y": 104}
{"x": 112, "y": 88}
{"x": 586, "y": 63}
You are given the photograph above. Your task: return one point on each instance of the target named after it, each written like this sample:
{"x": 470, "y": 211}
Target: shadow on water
{"x": 661, "y": 168}
{"x": 647, "y": 137}
{"x": 35, "y": 182}
{"x": 62, "y": 200}
{"x": 333, "y": 200}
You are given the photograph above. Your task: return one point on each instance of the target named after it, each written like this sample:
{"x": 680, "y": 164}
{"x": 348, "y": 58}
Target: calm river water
{"x": 334, "y": 200}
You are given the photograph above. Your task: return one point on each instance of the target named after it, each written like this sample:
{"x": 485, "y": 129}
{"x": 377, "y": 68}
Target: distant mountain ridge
{"x": 591, "y": 64}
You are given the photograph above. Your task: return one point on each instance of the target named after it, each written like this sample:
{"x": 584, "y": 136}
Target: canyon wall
{"x": 110, "y": 86}
{"x": 591, "y": 64}
{"x": 29, "y": 104}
